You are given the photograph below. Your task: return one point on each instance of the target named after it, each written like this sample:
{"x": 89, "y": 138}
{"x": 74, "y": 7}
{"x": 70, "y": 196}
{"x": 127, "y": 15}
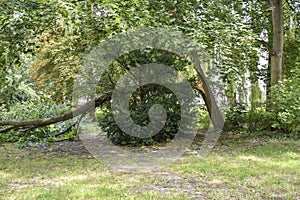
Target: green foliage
{"x": 20, "y": 21}
{"x": 283, "y": 117}
{"x": 204, "y": 119}
{"x": 31, "y": 110}
{"x": 258, "y": 120}
{"x": 144, "y": 98}
{"x": 236, "y": 117}
{"x": 240, "y": 119}
{"x": 59, "y": 46}
{"x": 291, "y": 54}
{"x": 285, "y": 99}
{"x": 139, "y": 108}
{"x": 16, "y": 89}
{"x": 55, "y": 34}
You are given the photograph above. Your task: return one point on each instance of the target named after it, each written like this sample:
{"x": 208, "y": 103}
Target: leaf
{"x": 113, "y": 5}
{"x": 118, "y": 20}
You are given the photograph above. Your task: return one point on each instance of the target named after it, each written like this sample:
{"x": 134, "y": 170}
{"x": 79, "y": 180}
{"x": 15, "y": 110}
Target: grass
{"x": 246, "y": 169}
{"x": 267, "y": 171}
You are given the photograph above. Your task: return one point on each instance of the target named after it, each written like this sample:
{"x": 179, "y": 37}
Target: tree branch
{"x": 47, "y": 121}
{"x": 65, "y": 131}
{"x": 5, "y": 130}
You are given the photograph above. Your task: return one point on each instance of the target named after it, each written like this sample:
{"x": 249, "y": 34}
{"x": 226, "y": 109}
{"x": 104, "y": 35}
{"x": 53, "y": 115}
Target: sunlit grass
{"x": 235, "y": 170}
{"x": 268, "y": 171}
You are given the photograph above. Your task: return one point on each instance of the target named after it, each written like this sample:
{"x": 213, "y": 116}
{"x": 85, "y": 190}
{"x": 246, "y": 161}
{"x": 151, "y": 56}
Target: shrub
{"x": 285, "y": 102}
{"x": 236, "y": 117}
{"x": 239, "y": 118}
{"x": 258, "y": 120}
{"x": 154, "y": 94}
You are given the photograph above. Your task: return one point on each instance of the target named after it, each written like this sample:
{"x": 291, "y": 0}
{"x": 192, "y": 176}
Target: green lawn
{"x": 236, "y": 169}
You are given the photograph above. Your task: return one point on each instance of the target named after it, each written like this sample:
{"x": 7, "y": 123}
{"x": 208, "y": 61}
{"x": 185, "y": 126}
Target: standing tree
{"x": 277, "y": 42}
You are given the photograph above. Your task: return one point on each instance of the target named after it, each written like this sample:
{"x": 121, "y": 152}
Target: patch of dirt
{"x": 73, "y": 147}
{"x": 189, "y": 186}
{"x": 76, "y": 147}
{"x": 174, "y": 183}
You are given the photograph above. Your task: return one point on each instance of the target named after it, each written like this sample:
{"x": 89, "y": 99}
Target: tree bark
{"x": 277, "y": 42}
{"x": 210, "y": 102}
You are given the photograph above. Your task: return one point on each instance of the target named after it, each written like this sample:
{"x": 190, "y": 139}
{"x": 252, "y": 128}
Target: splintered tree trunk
{"x": 211, "y": 104}
{"x": 277, "y": 42}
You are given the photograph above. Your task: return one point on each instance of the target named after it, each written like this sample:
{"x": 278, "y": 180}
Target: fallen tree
{"x": 31, "y": 124}
{"x": 26, "y": 125}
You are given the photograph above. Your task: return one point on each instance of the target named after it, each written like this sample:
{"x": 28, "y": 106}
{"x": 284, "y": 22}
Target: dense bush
{"x": 153, "y": 94}
{"x": 30, "y": 110}
{"x": 258, "y": 120}
{"x": 236, "y": 117}
{"x": 240, "y": 118}
{"x": 285, "y": 100}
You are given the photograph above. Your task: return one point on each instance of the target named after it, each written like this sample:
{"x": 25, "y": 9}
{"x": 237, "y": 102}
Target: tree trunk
{"x": 277, "y": 42}
{"x": 210, "y": 102}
